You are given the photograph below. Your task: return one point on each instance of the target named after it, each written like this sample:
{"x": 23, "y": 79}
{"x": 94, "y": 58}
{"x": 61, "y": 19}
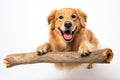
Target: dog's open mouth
{"x": 67, "y": 34}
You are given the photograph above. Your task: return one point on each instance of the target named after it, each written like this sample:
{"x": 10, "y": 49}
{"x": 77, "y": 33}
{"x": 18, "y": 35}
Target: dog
{"x": 68, "y": 32}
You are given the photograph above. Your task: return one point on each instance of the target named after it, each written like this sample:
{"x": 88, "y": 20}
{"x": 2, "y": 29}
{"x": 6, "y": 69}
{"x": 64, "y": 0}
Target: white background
{"x": 23, "y": 26}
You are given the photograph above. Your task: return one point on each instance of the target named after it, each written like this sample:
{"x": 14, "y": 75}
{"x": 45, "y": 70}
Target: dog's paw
{"x": 41, "y": 52}
{"x": 43, "y": 49}
{"x": 89, "y": 66}
{"x": 84, "y": 51}
{"x": 84, "y": 54}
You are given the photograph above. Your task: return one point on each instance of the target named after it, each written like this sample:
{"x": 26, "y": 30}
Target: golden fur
{"x": 83, "y": 40}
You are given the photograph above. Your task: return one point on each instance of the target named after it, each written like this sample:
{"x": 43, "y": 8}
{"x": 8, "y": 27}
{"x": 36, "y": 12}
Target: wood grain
{"x": 98, "y": 56}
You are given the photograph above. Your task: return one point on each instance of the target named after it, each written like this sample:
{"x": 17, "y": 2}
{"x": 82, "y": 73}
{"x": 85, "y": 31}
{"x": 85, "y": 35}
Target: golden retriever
{"x": 68, "y": 33}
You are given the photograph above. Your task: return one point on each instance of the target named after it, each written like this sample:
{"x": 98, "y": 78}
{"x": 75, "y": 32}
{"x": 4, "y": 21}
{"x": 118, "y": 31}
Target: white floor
{"x": 23, "y": 26}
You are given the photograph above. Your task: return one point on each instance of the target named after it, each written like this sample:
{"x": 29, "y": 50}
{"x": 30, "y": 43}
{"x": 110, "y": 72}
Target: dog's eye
{"x": 73, "y": 16}
{"x": 60, "y": 17}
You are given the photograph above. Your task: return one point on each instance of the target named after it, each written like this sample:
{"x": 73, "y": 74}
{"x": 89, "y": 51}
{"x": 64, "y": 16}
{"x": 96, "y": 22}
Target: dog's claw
{"x": 85, "y": 54}
{"x": 40, "y": 53}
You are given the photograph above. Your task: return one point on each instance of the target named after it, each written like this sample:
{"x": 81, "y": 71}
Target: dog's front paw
{"x": 43, "y": 49}
{"x": 84, "y": 51}
{"x": 41, "y": 52}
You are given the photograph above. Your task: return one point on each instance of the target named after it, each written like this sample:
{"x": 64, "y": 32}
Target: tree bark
{"x": 98, "y": 56}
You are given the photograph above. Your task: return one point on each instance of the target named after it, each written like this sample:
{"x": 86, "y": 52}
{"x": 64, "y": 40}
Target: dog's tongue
{"x": 67, "y": 36}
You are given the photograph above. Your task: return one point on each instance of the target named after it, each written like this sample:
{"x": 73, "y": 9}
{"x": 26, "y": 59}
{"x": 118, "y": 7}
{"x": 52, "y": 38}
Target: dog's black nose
{"x": 67, "y": 24}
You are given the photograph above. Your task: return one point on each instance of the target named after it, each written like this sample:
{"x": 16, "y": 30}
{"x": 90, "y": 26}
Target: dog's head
{"x": 67, "y": 22}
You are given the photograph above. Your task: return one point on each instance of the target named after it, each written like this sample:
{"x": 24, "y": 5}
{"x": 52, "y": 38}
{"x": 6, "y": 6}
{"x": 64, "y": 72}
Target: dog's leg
{"x": 43, "y": 49}
{"x": 89, "y": 66}
{"x": 84, "y": 49}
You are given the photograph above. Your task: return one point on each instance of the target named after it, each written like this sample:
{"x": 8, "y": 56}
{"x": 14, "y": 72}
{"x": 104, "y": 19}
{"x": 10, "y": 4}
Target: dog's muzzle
{"x": 67, "y": 34}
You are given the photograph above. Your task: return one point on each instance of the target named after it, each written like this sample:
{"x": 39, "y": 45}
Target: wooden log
{"x": 98, "y": 56}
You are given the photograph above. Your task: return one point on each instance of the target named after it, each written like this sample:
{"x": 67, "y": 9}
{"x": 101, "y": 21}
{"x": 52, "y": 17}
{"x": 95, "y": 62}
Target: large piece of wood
{"x": 99, "y": 56}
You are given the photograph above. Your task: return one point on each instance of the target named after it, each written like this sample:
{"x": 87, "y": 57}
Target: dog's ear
{"x": 51, "y": 19}
{"x": 82, "y": 16}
